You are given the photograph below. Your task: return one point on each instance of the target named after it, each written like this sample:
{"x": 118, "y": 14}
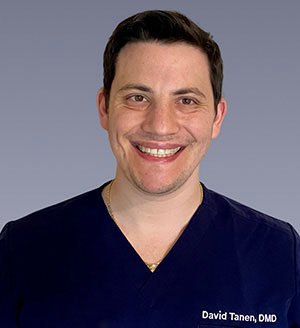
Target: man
{"x": 154, "y": 247}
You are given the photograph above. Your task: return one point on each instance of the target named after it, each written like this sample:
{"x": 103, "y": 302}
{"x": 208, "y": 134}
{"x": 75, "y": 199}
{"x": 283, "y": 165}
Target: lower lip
{"x": 158, "y": 159}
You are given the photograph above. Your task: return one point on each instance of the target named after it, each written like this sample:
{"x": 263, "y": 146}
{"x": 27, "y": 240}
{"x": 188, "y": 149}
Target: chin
{"x": 158, "y": 187}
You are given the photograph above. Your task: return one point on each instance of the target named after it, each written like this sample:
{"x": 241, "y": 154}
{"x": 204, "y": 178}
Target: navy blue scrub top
{"x": 69, "y": 265}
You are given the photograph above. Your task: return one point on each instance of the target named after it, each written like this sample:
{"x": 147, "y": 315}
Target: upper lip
{"x": 155, "y": 145}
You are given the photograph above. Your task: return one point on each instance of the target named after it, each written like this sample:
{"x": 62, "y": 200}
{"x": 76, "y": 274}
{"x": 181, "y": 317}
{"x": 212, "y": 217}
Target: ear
{"x": 102, "y": 110}
{"x": 221, "y": 112}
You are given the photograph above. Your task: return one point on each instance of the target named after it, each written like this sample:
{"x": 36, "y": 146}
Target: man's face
{"x": 161, "y": 115}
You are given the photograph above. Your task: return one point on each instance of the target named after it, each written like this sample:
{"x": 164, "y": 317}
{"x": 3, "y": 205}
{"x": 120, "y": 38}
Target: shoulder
{"x": 53, "y": 219}
{"x": 244, "y": 218}
{"x": 260, "y": 240}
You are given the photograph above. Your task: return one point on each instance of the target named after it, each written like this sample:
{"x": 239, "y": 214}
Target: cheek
{"x": 119, "y": 127}
{"x": 125, "y": 121}
{"x": 200, "y": 129}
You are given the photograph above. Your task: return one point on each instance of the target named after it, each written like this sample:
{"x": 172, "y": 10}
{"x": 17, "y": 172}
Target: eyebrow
{"x": 184, "y": 91}
{"x": 178, "y": 92}
{"x": 140, "y": 87}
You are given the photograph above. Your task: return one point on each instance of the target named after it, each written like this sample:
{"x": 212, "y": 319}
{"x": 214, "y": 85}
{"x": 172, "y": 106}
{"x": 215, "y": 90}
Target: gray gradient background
{"x": 52, "y": 146}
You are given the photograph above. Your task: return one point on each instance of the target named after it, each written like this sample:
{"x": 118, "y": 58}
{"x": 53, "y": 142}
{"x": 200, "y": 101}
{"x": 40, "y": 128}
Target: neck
{"x": 140, "y": 211}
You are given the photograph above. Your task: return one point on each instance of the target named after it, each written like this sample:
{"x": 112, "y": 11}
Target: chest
{"x": 206, "y": 284}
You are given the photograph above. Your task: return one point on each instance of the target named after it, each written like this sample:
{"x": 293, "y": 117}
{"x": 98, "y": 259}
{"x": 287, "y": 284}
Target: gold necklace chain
{"x": 151, "y": 266}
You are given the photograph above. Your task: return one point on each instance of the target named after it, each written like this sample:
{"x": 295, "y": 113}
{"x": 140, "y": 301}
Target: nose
{"x": 161, "y": 120}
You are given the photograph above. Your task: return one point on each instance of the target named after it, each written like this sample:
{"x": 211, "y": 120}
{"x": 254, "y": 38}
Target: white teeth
{"x": 158, "y": 152}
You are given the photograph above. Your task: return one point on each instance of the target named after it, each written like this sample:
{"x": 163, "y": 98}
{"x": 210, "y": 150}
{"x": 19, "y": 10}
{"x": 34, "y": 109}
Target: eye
{"x": 187, "y": 101}
{"x": 138, "y": 98}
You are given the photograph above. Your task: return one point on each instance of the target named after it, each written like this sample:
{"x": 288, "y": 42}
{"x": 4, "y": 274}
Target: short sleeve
{"x": 294, "y": 310}
{"x": 8, "y": 304}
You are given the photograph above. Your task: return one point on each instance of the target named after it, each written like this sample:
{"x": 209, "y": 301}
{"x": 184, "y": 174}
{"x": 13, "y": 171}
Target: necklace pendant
{"x": 152, "y": 266}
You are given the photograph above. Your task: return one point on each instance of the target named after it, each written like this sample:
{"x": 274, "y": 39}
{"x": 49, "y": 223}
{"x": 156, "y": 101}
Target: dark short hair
{"x": 165, "y": 27}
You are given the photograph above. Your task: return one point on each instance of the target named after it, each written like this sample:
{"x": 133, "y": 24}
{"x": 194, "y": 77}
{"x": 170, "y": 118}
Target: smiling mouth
{"x": 158, "y": 152}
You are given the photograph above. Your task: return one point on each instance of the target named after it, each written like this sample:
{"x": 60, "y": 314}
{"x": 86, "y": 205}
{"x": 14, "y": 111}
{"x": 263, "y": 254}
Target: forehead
{"x": 160, "y": 62}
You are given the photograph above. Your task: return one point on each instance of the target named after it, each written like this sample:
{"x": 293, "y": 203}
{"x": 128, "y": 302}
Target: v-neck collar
{"x": 151, "y": 285}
